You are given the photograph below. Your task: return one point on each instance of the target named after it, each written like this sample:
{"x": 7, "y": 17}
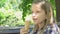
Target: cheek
{"x": 41, "y": 17}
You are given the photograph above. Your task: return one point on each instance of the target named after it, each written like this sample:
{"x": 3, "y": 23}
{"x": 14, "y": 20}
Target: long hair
{"x": 45, "y": 5}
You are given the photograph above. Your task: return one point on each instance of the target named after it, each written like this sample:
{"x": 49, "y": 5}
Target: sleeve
{"x": 58, "y": 29}
{"x": 55, "y": 29}
{"x": 47, "y": 30}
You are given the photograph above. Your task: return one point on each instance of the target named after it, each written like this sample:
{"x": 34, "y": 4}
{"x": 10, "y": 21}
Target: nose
{"x": 34, "y": 15}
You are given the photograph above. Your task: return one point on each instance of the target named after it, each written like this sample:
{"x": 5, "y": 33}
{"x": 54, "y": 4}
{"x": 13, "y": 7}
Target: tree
{"x": 26, "y": 5}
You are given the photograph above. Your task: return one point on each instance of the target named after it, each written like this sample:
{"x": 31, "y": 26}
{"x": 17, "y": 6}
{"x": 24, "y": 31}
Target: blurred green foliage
{"x": 13, "y": 12}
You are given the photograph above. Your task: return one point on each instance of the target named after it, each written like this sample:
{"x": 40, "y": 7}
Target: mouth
{"x": 34, "y": 19}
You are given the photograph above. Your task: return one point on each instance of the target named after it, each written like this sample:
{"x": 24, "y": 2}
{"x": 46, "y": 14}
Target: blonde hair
{"x": 45, "y": 5}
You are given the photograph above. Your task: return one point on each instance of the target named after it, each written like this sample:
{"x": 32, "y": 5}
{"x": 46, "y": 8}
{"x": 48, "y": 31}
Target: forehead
{"x": 36, "y": 7}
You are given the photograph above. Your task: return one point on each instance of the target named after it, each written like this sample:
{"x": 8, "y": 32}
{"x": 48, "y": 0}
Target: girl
{"x": 42, "y": 15}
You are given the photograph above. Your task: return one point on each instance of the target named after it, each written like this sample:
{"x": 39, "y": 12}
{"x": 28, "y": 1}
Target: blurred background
{"x": 14, "y": 12}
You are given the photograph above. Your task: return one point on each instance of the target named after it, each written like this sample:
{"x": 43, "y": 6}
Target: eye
{"x": 37, "y": 11}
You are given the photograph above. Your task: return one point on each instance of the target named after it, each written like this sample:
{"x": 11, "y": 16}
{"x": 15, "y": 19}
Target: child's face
{"x": 38, "y": 14}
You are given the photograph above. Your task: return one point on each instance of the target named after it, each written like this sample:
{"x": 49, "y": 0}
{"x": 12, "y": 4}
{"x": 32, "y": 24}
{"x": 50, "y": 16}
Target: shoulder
{"x": 50, "y": 30}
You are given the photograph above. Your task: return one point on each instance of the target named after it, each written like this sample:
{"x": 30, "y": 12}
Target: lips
{"x": 34, "y": 18}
